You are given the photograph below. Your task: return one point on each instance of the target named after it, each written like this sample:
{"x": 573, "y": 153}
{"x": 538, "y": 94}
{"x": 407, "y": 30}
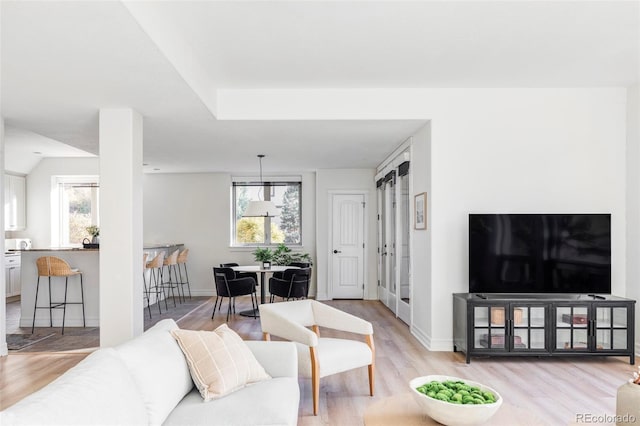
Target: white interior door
{"x": 347, "y": 249}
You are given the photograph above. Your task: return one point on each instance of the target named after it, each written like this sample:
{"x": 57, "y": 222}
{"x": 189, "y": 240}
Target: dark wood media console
{"x": 504, "y": 324}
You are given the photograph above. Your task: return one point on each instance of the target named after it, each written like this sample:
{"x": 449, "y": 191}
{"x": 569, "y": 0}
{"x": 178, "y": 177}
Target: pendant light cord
{"x": 260, "y": 157}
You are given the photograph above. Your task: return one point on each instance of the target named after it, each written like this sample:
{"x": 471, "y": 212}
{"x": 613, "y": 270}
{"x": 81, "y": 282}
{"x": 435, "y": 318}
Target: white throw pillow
{"x": 219, "y": 361}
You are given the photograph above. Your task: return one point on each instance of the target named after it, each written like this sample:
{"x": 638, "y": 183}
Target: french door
{"x": 394, "y": 255}
{"x": 387, "y": 290}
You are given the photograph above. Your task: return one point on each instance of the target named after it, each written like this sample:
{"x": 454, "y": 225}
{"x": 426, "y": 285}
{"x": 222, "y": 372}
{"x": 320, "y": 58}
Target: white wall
{"x": 421, "y": 298}
{"x": 194, "y": 209}
{"x": 521, "y": 151}
{"x": 486, "y": 150}
{"x": 39, "y": 194}
{"x": 3, "y": 305}
{"x": 633, "y": 196}
{"x": 345, "y": 179}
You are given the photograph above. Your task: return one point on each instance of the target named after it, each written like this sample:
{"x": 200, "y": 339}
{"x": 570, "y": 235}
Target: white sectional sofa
{"x": 146, "y": 381}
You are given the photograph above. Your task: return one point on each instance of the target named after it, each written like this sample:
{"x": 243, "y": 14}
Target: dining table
{"x": 263, "y": 283}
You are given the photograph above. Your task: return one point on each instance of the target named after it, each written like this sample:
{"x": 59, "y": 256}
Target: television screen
{"x": 540, "y": 253}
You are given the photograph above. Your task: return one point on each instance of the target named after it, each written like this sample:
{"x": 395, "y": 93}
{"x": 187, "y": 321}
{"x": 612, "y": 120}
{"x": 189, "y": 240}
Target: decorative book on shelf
{"x": 574, "y": 319}
{"x": 497, "y": 341}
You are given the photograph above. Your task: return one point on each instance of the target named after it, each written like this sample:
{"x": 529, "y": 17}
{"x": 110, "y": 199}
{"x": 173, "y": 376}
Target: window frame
{"x": 266, "y": 188}
{"x": 58, "y": 183}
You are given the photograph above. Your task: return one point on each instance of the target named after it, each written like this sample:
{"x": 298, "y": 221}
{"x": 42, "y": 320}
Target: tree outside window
{"x": 284, "y": 228}
{"x": 75, "y": 209}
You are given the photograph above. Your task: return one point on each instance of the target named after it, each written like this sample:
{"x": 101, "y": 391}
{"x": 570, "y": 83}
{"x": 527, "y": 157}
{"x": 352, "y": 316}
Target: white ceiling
{"x": 63, "y": 61}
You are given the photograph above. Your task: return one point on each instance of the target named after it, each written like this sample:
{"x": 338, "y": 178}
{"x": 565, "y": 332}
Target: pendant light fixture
{"x": 261, "y": 208}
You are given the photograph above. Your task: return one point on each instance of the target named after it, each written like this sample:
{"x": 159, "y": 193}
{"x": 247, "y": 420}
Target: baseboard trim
{"x": 421, "y": 336}
{"x": 436, "y": 345}
{"x": 202, "y": 292}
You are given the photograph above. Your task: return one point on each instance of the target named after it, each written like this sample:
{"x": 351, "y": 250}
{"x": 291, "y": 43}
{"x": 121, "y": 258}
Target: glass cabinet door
{"x": 572, "y": 328}
{"x": 529, "y": 328}
{"x": 611, "y": 328}
{"x": 490, "y": 327}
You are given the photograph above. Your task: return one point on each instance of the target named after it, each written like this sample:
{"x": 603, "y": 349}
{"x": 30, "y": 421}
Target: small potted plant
{"x": 94, "y": 231}
{"x": 264, "y": 255}
{"x": 283, "y": 255}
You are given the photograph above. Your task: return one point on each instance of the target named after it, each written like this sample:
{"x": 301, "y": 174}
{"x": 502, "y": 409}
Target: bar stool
{"x": 171, "y": 263}
{"x": 182, "y": 263}
{"x": 51, "y": 266}
{"x": 144, "y": 282}
{"x": 155, "y": 279}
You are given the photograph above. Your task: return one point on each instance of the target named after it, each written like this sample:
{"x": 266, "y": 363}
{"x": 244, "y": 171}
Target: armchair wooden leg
{"x": 315, "y": 380}
{"x": 372, "y": 367}
{"x": 372, "y": 379}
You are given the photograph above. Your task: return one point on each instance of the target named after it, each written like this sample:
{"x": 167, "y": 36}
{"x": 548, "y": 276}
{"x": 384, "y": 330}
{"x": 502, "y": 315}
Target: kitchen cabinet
{"x": 14, "y": 203}
{"x": 12, "y": 274}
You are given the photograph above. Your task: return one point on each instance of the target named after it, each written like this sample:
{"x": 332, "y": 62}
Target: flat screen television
{"x": 540, "y": 253}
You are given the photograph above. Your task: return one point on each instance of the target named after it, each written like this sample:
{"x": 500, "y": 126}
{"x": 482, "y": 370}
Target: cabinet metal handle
{"x": 337, "y": 251}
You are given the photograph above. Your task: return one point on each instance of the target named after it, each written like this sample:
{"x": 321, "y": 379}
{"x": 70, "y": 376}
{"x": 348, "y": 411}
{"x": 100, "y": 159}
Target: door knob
{"x": 337, "y": 251}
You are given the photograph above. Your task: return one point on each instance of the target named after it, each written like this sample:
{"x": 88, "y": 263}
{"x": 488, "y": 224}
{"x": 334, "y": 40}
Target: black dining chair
{"x": 253, "y": 275}
{"x": 294, "y": 284}
{"x": 227, "y": 285}
{"x": 298, "y": 264}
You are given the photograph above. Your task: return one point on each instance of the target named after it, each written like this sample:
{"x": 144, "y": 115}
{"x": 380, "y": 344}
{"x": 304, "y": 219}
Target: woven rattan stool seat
{"x": 49, "y": 267}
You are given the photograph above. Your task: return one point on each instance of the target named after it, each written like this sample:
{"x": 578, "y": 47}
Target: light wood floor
{"x": 553, "y": 390}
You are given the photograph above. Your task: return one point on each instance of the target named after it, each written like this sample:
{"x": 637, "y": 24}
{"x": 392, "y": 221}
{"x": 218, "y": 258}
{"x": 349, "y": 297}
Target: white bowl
{"x": 454, "y": 414}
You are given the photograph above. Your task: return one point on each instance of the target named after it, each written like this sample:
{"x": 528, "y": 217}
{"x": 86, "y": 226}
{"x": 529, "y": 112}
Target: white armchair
{"x": 320, "y": 357}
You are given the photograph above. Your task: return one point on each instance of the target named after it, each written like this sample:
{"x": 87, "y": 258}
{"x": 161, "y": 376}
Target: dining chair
{"x": 227, "y": 285}
{"x": 297, "y": 264}
{"x": 292, "y": 284}
{"x": 320, "y": 356}
{"x": 253, "y": 275}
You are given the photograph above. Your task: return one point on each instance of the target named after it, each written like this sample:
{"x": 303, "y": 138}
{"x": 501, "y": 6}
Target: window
{"x": 285, "y": 228}
{"x": 75, "y": 201}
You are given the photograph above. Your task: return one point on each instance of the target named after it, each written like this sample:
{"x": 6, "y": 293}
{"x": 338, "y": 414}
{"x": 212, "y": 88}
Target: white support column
{"x": 3, "y": 287}
{"x": 121, "y": 301}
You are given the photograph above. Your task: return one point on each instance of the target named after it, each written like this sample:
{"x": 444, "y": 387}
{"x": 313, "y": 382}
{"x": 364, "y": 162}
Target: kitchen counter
{"x": 87, "y": 261}
{"x": 151, "y": 246}
{"x": 156, "y": 246}
{"x": 55, "y": 249}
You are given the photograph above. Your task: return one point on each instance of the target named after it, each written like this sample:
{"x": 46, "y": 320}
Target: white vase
{"x": 628, "y": 404}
